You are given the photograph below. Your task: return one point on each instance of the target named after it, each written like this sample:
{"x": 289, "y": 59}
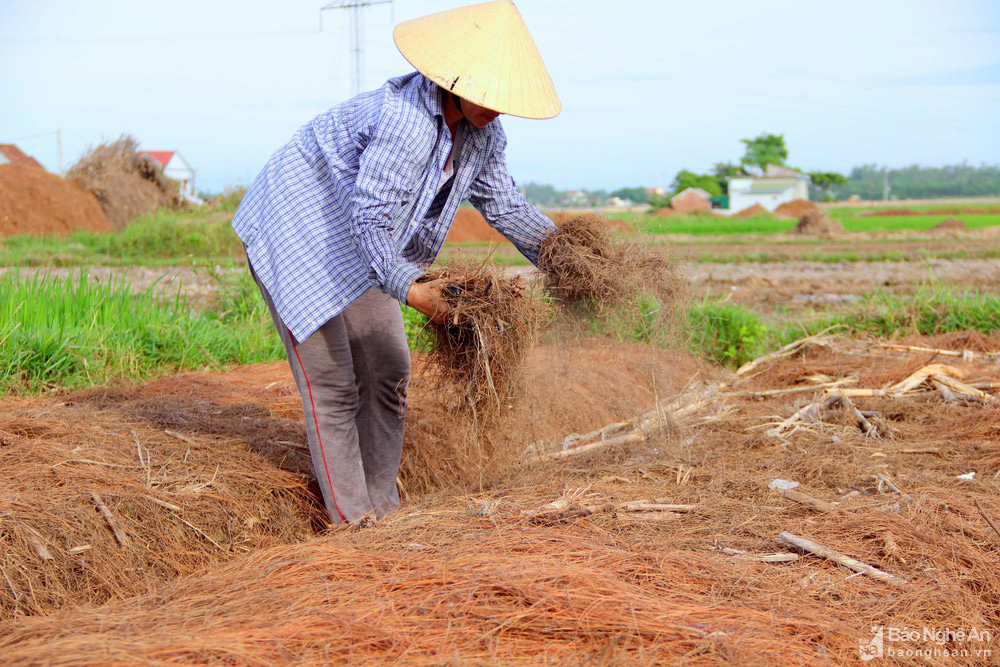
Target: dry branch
{"x": 796, "y": 542}
{"x": 805, "y": 499}
{"x": 109, "y": 518}
{"x": 820, "y": 339}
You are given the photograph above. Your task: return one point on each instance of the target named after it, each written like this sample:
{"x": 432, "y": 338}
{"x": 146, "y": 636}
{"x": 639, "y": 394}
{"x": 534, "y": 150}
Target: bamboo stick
{"x": 805, "y": 499}
{"x": 109, "y": 518}
{"x": 794, "y": 541}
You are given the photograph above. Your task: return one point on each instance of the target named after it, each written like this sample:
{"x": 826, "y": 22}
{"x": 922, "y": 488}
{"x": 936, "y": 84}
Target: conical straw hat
{"x": 482, "y": 53}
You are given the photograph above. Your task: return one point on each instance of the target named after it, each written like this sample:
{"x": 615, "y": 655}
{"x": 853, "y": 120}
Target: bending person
{"x": 339, "y": 223}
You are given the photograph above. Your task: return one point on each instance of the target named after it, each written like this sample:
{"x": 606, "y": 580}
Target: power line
{"x": 357, "y": 44}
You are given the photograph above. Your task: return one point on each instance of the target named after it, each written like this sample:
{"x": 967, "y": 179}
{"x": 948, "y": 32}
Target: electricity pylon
{"x": 356, "y": 8}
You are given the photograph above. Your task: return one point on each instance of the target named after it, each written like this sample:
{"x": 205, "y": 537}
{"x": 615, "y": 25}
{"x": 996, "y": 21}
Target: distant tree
{"x": 724, "y": 171}
{"x": 960, "y": 180}
{"x": 765, "y": 149}
{"x": 637, "y": 195}
{"x": 542, "y": 194}
{"x": 826, "y": 181}
{"x": 688, "y": 179}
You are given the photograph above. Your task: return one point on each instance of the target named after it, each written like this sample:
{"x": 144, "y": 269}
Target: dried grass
{"x": 482, "y": 349}
{"x": 473, "y": 579}
{"x": 126, "y": 183}
{"x": 584, "y": 266}
{"x": 238, "y": 468}
{"x": 183, "y": 503}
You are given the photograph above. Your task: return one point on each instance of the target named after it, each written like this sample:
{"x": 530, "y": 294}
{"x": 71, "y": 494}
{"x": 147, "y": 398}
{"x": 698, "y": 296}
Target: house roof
{"x": 17, "y": 156}
{"x": 698, "y": 191}
{"x": 163, "y": 157}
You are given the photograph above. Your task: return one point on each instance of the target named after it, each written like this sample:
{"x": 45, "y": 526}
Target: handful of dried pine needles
{"x": 584, "y": 266}
{"x": 482, "y": 349}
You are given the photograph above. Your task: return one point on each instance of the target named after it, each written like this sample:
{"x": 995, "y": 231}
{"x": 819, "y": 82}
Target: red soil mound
{"x": 950, "y": 225}
{"x": 561, "y": 217}
{"x": 752, "y": 211}
{"x": 33, "y": 201}
{"x": 795, "y": 209}
{"x": 469, "y": 226}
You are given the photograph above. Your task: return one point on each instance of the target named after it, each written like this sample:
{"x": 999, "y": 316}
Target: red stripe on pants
{"x": 319, "y": 436}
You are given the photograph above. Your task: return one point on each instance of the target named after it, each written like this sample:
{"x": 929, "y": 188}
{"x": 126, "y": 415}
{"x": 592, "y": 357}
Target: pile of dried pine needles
{"x": 100, "y": 501}
{"x": 494, "y": 322}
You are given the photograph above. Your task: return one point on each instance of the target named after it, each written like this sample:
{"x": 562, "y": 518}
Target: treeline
{"x": 960, "y": 180}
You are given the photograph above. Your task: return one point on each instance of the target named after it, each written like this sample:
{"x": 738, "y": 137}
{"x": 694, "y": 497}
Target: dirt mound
{"x": 126, "y": 183}
{"x": 33, "y": 201}
{"x": 665, "y": 554}
{"x": 816, "y": 223}
{"x": 202, "y": 468}
{"x": 950, "y": 225}
{"x": 752, "y": 212}
{"x": 470, "y": 226}
{"x": 795, "y": 209}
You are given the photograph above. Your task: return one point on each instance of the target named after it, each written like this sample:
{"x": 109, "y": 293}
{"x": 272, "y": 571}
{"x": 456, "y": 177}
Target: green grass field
{"x": 853, "y": 220}
{"x": 163, "y": 238}
{"x": 74, "y": 332}
{"x": 69, "y": 333}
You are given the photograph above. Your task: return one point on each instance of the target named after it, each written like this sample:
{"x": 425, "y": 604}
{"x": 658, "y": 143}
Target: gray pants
{"x": 352, "y": 375}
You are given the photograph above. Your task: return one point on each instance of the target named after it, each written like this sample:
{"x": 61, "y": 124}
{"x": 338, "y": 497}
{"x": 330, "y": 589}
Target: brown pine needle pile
{"x": 584, "y": 266}
{"x": 482, "y": 349}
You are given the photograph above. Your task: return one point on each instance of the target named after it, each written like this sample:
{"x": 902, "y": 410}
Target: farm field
{"x": 811, "y": 453}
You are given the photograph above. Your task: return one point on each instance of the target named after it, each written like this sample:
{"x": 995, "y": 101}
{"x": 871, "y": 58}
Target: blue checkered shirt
{"x": 353, "y": 201}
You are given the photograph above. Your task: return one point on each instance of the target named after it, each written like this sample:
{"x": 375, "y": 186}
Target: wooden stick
{"x": 643, "y": 506}
{"x": 627, "y": 439}
{"x": 39, "y": 547}
{"x": 109, "y": 518}
{"x": 986, "y": 516}
{"x": 162, "y": 503}
{"x": 962, "y": 388}
{"x": 650, "y": 516}
{"x": 905, "y": 496}
{"x": 182, "y": 438}
{"x": 787, "y": 350}
{"x": 946, "y": 394}
{"x": 943, "y": 353}
{"x": 779, "y": 557}
{"x": 794, "y": 541}
{"x": 920, "y": 450}
{"x": 807, "y": 500}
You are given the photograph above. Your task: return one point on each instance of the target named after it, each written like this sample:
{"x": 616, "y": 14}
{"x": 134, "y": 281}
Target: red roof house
{"x": 11, "y": 154}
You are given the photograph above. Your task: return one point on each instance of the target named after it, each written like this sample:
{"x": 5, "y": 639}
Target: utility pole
{"x": 62, "y": 169}
{"x": 357, "y": 43}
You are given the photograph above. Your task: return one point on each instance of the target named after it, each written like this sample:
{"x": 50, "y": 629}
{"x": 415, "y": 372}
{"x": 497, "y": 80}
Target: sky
{"x": 648, "y": 87}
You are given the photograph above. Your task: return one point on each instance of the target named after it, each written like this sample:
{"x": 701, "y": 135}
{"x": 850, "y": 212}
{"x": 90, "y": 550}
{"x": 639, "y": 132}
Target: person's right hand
{"x": 429, "y": 299}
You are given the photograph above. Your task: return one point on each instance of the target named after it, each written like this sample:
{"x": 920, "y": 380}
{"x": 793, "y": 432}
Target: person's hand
{"x": 429, "y": 299}
{"x": 519, "y": 285}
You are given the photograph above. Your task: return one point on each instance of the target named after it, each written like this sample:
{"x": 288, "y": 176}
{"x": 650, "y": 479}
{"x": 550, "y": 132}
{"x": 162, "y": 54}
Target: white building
{"x": 777, "y": 186}
{"x": 176, "y": 167}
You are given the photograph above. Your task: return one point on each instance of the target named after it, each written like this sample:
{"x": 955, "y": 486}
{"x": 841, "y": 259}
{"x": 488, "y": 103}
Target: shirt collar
{"x": 432, "y": 98}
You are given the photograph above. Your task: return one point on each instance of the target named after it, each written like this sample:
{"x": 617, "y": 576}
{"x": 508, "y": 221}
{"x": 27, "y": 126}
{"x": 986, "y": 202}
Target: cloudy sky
{"x": 648, "y": 87}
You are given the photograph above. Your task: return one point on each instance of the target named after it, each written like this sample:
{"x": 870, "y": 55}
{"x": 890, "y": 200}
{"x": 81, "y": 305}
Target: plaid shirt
{"x": 353, "y": 201}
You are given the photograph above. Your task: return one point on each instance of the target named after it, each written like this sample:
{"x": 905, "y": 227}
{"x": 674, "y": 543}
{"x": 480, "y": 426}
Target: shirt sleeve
{"x": 388, "y": 173}
{"x": 494, "y": 193}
